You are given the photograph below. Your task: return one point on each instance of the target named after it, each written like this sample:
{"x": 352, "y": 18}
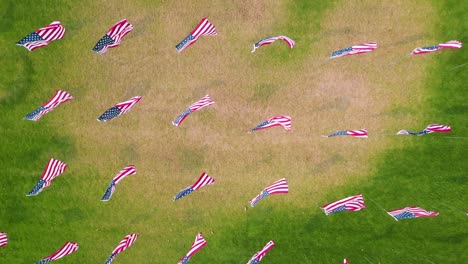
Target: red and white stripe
{"x": 452, "y": 44}
{"x": 438, "y": 128}
{"x": 3, "y": 239}
{"x": 352, "y": 203}
{"x": 204, "y": 28}
{"x": 125, "y": 243}
{"x": 65, "y": 250}
{"x": 345, "y": 261}
{"x": 129, "y": 170}
{"x": 361, "y": 133}
{"x": 363, "y": 48}
{"x": 58, "y": 98}
{"x": 198, "y": 244}
{"x": 278, "y": 187}
{"x": 417, "y": 211}
{"x": 204, "y": 101}
{"x": 358, "y": 49}
{"x": 284, "y": 121}
{"x": 118, "y": 31}
{"x": 204, "y": 179}
{"x": 51, "y": 32}
{"x": 53, "y": 169}
{"x": 260, "y": 254}
{"x": 127, "y": 105}
{"x": 267, "y": 41}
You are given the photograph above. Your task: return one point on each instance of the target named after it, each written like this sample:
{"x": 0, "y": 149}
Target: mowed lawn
{"x": 378, "y": 91}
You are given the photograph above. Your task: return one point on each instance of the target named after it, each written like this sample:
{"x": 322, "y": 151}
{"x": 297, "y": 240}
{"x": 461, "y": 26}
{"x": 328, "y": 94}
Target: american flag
{"x": 352, "y": 203}
{"x": 3, "y": 239}
{"x": 43, "y": 36}
{"x": 123, "y": 245}
{"x": 113, "y": 37}
{"x": 410, "y": 212}
{"x": 362, "y": 133}
{"x": 433, "y": 128}
{"x": 268, "y": 41}
{"x": 119, "y": 109}
{"x": 353, "y": 50}
{"x": 453, "y": 44}
{"x": 205, "y": 101}
{"x": 129, "y": 170}
{"x": 65, "y": 250}
{"x": 53, "y": 169}
{"x": 58, "y": 98}
{"x": 204, "y": 179}
{"x": 204, "y": 28}
{"x": 198, "y": 244}
{"x": 278, "y": 187}
{"x": 260, "y": 254}
{"x": 345, "y": 261}
{"x": 284, "y": 121}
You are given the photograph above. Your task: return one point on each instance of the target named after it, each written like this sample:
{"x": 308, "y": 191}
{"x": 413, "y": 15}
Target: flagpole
{"x": 381, "y": 207}
{"x": 458, "y": 66}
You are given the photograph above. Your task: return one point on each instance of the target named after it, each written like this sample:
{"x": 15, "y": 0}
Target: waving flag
{"x": 3, "y": 239}
{"x": 410, "y": 212}
{"x": 204, "y": 179}
{"x": 58, "y": 98}
{"x": 352, "y": 203}
{"x": 53, "y": 169}
{"x": 129, "y": 170}
{"x": 429, "y": 129}
{"x": 43, "y": 36}
{"x": 205, "y": 101}
{"x": 278, "y": 187}
{"x": 362, "y": 133}
{"x": 119, "y": 109}
{"x": 113, "y": 37}
{"x": 198, "y": 244}
{"x": 268, "y": 41}
{"x": 353, "y": 50}
{"x": 284, "y": 121}
{"x": 453, "y": 44}
{"x": 204, "y": 28}
{"x": 123, "y": 245}
{"x": 260, "y": 254}
{"x": 65, "y": 250}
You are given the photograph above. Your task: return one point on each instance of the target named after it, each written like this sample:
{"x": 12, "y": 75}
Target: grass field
{"x": 378, "y": 91}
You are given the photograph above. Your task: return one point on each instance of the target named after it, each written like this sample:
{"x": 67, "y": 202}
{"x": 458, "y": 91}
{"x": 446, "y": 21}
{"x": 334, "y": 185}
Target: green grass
{"x": 424, "y": 171}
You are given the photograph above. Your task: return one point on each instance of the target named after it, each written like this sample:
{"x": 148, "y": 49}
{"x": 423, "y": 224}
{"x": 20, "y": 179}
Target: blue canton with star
{"x": 339, "y": 209}
{"x": 34, "y": 113}
{"x": 110, "y": 258}
{"x": 183, "y": 193}
{"x": 259, "y": 126}
{"x": 339, "y": 133}
{"x": 104, "y": 41}
{"x": 44, "y": 261}
{"x": 254, "y": 261}
{"x": 184, "y": 42}
{"x": 37, "y": 188}
{"x": 32, "y": 37}
{"x": 404, "y": 215}
{"x": 264, "y": 194}
{"x": 435, "y": 47}
{"x": 108, "y": 194}
{"x": 342, "y": 51}
{"x": 111, "y": 113}
{"x": 181, "y": 116}
{"x": 184, "y": 260}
